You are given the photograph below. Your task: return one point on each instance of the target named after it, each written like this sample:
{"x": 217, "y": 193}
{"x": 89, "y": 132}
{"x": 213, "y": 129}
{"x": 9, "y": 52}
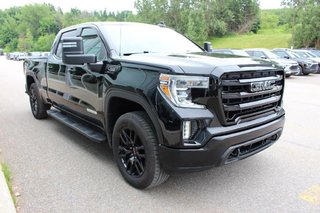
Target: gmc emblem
{"x": 261, "y": 86}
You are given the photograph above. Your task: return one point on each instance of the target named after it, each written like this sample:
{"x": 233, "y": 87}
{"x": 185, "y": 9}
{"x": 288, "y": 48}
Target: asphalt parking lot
{"x": 57, "y": 170}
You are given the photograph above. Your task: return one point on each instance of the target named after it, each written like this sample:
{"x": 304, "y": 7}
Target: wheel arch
{"x": 131, "y": 102}
{"x": 29, "y": 80}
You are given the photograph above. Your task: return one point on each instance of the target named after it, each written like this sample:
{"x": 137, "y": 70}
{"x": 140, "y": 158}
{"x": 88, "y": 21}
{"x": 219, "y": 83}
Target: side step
{"x": 81, "y": 127}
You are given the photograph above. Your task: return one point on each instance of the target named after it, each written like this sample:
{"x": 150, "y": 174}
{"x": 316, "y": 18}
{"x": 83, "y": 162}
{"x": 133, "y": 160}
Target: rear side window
{"x": 72, "y": 33}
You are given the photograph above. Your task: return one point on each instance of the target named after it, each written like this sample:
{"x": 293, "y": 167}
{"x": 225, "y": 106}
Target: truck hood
{"x": 196, "y": 63}
{"x": 284, "y": 62}
{"x": 303, "y": 60}
{"x": 316, "y": 59}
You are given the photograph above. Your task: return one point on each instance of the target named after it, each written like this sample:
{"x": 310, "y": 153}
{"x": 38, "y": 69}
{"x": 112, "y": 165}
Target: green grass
{"x": 7, "y": 175}
{"x": 264, "y": 39}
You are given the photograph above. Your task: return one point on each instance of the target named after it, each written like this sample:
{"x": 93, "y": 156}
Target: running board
{"x": 81, "y": 127}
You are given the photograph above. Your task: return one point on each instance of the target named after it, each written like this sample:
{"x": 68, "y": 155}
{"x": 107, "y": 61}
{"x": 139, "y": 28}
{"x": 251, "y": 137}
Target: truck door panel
{"x": 82, "y": 83}
{"x": 56, "y": 72}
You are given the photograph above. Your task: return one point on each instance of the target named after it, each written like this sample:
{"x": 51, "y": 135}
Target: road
{"x": 57, "y": 170}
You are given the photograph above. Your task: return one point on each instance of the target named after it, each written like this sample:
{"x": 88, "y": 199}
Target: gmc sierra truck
{"x": 163, "y": 104}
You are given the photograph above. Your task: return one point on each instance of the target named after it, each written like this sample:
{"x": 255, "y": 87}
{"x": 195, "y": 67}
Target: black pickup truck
{"x": 162, "y": 103}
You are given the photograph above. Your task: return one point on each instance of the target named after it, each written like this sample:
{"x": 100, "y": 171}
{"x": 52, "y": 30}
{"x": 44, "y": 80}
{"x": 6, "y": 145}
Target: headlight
{"x": 283, "y": 65}
{"x": 178, "y": 88}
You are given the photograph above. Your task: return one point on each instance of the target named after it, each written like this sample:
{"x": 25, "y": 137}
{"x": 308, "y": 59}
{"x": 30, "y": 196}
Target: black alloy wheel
{"x": 132, "y": 153}
{"x": 135, "y": 150}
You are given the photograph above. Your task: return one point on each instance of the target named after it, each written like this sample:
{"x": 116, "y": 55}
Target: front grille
{"x": 250, "y": 94}
{"x": 314, "y": 67}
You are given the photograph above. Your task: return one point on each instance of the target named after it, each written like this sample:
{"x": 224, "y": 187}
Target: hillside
{"x": 274, "y": 33}
{"x": 264, "y": 39}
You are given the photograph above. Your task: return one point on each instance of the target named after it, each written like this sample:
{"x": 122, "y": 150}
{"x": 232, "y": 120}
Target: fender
{"x": 33, "y": 76}
{"x": 136, "y": 98}
{"x": 42, "y": 89}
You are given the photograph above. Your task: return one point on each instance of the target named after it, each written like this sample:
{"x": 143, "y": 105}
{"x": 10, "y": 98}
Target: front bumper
{"x": 311, "y": 69}
{"x": 291, "y": 70}
{"x": 222, "y": 149}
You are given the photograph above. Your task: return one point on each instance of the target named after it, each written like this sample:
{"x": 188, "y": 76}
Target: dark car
{"x": 314, "y": 51}
{"x": 161, "y": 102}
{"x": 306, "y": 65}
{"x": 290, "y": 67}
{"x": 308, "y": 54}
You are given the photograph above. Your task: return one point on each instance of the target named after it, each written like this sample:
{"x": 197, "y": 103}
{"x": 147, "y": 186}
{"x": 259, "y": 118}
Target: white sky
{"x": 109, "y": 5}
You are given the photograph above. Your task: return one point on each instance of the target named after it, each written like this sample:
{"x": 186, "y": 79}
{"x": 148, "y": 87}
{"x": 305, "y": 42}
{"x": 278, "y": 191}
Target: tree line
{"x": 33, "y": 27}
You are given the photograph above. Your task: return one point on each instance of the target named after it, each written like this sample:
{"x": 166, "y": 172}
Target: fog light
{"x": 186, "y": 130}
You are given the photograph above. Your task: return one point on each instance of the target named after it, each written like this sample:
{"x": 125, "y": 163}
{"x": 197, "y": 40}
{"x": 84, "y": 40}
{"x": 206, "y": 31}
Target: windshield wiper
{"x": 144, "y": 52}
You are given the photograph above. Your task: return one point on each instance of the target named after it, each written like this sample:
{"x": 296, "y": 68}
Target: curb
{"x": 6, "y": 203}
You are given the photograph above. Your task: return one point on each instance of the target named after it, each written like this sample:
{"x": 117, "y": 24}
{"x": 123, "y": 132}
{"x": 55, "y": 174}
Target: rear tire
{"x": 135, "y": 150}
{"x": 38, "y": 108}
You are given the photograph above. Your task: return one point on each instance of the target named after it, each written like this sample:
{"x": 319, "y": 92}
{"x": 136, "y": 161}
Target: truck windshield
{"x": 127, "y": 39}
{"x": 301, "y": 54}
{"x": 271, "y": 55}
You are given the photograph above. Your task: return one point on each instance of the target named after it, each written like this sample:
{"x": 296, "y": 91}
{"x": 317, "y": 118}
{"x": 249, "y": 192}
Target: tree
{"x": 25, "y": 42}
{"x": 44, "y": 43}
{"x": 305, "y": 21}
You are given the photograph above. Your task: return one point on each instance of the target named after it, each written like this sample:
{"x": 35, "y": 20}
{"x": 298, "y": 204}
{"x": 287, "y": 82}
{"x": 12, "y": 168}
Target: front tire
{"x": 38, "y": 108}
{"x": 300, "y": 70}
{"x": 135, "y": 150}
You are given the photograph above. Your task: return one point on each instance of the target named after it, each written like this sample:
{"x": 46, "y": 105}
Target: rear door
{"x": 56, "y": 72}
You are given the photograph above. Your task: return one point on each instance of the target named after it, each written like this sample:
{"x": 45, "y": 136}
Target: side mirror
{"x": 73, "y": 52}
{"x": 287, "y": 57}
{"x": 207, "y": 46}
{"x": 263, "y": 57}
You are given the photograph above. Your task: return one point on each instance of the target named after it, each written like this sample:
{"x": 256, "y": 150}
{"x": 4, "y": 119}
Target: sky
{"x": 109, "y": 5}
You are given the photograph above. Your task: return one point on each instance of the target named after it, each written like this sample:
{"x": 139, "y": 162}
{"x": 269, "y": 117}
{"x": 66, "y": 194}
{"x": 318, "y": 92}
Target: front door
{"x": 84, "y": 87}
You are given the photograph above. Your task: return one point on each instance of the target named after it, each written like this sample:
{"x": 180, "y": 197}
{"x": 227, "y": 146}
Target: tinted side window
{"x": 282, "y": 54}
{"x": 259, "y": 54}
{"x": 250, "y": 52}
{"x": 92, "y": 43}
{"x": 72, "y": 33}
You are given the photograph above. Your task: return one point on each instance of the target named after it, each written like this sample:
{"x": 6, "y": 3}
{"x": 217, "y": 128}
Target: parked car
{"x": 231, "y": 52}
{"x": 306, "y": 65}
{"x": 308, "y": 54}
{"x": 314, "y": 51}
{"x": 290, "y": 67}
{"x": 12, "y": 56}
{"x": 157, "y": 99}
{"x": 21, "y": 56}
